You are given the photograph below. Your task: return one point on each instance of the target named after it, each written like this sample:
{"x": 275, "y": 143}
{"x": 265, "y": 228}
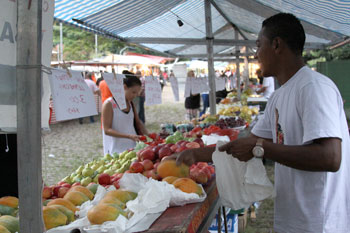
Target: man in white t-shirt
{"x": 304, "y": 130}
{"x": 268, "y": 87}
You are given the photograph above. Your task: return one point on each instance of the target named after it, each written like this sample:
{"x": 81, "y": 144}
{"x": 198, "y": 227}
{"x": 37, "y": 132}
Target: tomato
{"x": 143, "y": 138}
{"x": 153, "y": 135}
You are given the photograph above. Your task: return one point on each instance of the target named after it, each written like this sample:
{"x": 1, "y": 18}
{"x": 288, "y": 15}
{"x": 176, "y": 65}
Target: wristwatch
{"x": 258, "y": 150}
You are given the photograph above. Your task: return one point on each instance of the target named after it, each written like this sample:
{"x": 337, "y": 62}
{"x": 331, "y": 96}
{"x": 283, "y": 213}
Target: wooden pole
{"x": 28, "y": 80}
{"x": 211, "y": 72}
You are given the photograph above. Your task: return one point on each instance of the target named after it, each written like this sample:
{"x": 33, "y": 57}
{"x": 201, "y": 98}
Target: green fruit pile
{"x": 110, "y": 164}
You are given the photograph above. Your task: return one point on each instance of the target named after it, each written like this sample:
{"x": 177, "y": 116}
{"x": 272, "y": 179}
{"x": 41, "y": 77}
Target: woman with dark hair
{"x": 122, "y": 127}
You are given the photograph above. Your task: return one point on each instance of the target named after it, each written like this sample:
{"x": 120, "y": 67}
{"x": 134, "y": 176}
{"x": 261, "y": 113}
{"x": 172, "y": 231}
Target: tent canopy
{"x": 154, "y": 23}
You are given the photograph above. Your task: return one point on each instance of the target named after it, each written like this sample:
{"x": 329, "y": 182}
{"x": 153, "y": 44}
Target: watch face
{"x": 258, "y": 151}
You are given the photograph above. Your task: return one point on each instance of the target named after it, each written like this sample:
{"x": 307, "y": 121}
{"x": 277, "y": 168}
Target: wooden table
{"x": 190, "y": 218}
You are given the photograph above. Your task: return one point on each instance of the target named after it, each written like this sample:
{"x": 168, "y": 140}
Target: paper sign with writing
{"x": 153, "y": 91}
{"x": 117, "y": 88}
{"x": 220, "y": 83}
{"x": 204, "y": 85}
{"x": 188, "y": 87}
{"x": 72, "y": 98}
{"x": 196, "y": 86}
{"x": 8, "y": 45}
{"x": 174, "y": 87}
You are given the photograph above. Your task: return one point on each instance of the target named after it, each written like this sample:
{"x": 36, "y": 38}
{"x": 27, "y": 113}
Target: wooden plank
{"x": 28, "y": 80}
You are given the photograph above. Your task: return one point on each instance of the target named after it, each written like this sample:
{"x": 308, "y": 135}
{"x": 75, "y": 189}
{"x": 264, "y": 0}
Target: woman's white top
{"x": 124, "y": 123}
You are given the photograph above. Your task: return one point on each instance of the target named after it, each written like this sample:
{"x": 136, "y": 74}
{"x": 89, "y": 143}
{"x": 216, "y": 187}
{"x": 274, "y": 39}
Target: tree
{"x": 80, "y": 45}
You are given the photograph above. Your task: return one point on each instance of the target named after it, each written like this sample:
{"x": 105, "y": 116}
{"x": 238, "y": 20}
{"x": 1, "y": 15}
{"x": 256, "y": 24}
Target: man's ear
{"x": 277, "y": 44}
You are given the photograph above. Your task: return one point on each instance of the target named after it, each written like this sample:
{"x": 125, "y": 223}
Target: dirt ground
{"x": 70, "y": 144}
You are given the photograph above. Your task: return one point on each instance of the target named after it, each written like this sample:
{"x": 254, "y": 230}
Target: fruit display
{"x": 231, "y": 122}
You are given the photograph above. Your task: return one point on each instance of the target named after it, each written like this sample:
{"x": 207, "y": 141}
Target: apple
{"x": 165, "y": 151}
{"x": 164, "y": 158}
{"x": 119, "y": 175}
{"x": 104, "y": 179}
{"x": 136, "y": 167}
{"x": 154, "y": 174}
{"x": 147, "y": 154}
{"x": 53, "y": 197}
{"x": 180, "y": 149}
{"x": 206, "y": 170}
{"x": 62, "y": 191}
{"x": 156, "y": 165}
{"x": 76, "y": 184}
{"x": 178, "y": 143}
{"x": 66, "y": 185}
{"x": 212, "y": 169}
{"x": 199, "y": 141}
{"x": 202, "y": 164}
{"x": 199, "y": 176}
{"x": 192, "y": 145}
{"x": 47, "y": 192}
{"x": 147, "y": 164}
{"x": 183, "y": 143}
{"x": 116, "y": 184}
{"x": 61, "y": 183}
{"x": 169, "y": 145}
{"x": 55, "y": 190}
{"x": 173, "y": 148}
{"x": 157, "y": 148}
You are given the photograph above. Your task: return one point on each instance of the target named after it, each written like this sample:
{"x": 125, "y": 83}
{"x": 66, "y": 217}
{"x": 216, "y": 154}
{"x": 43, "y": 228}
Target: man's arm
{"x": 323, "y": 154}
{"x": 262, "y": 90}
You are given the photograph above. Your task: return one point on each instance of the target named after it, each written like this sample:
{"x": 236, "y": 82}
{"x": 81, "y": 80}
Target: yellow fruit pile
{"x": 110, "y": 207}
{"x": 61, "y": 211}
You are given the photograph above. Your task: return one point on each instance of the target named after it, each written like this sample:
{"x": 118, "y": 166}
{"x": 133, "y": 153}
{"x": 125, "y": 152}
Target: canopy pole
{"x": 246, "y": 69}
{"x": 211, "y": 72}
{"x": 61, "y": 42}
{"x": 238, "y": 73}
{"x": 28, "y": 88}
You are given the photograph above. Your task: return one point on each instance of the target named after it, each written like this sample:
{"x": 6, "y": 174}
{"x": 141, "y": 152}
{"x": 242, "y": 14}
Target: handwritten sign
{"x": 116, "y": 86}
{"x": 8, "y": 45}
{"x": 220, "y": 83}
{"x": 174, "y": 87}
{"x": 153, "y": 91}
{"x": 204, "y": 85}
{"x": 188, "y": 87}
{"x": 72, "y": 98}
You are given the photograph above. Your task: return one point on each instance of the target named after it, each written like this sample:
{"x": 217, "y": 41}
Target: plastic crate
{"x": 232, "y": 224}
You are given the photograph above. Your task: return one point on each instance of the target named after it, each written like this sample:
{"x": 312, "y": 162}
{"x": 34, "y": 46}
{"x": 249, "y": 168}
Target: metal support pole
{"x": 96, "y": 45}
{"x": 61, "y": 42}
{"x": 246, "y": 69}
{"x": 238, "y": 74}
{"x": 211, "y": 72}
{"x": 28, "y": 88}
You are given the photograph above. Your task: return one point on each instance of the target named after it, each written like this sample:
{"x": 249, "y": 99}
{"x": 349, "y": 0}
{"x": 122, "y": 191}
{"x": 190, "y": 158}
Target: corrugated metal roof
{"x": 324, "y": 21}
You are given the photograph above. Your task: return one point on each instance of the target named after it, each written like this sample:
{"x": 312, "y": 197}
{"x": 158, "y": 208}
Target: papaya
{"x": 53, "y": 217}
{"x": 170, "y": 179}
{"x": 10, "y": 223}
{"x": 65, "y": 211}
{"x": 122, "y": 195}
{"x": 84, "y": 190}
{"x": 9, "y": 201}
{"x": 113, "y": 200}
{"x": 77, "y": 198}
{"x": 4, "y": 229}
{"x": 7, "y": 210}
{"x": 93, "y": 188}
{"x": 101, "y": 213}
{"x": 46, "y": 202}
{"x": 63, "y": 202}
{"x": 169, "y": 168}
{"x": 187, "y": 185}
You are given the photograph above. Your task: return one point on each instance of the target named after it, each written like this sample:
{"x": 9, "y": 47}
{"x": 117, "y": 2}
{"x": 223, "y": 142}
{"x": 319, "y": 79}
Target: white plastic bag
{"x": 240, "y": 183}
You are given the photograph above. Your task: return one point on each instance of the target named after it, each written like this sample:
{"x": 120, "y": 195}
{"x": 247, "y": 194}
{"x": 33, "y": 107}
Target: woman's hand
{"x": 134, "y": 137}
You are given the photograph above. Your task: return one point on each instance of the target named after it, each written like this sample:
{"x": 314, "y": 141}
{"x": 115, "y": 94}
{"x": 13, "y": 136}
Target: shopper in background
{"x": 268, "y": 87}
{"x": 122, "y": 127}
{"x": 141, "y": 109}
{"x": 304, "y": 130}
{"x": 192, "y": 103}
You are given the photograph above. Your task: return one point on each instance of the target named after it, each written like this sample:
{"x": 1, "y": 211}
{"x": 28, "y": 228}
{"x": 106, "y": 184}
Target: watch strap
{"x": 259, "y": 142}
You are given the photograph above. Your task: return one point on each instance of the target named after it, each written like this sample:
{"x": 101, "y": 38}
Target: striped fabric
{"x": 158, "y": 18}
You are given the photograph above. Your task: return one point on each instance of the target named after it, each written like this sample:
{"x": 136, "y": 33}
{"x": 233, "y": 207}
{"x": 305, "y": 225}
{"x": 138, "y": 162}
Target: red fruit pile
{"x": 201, "y": 172}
